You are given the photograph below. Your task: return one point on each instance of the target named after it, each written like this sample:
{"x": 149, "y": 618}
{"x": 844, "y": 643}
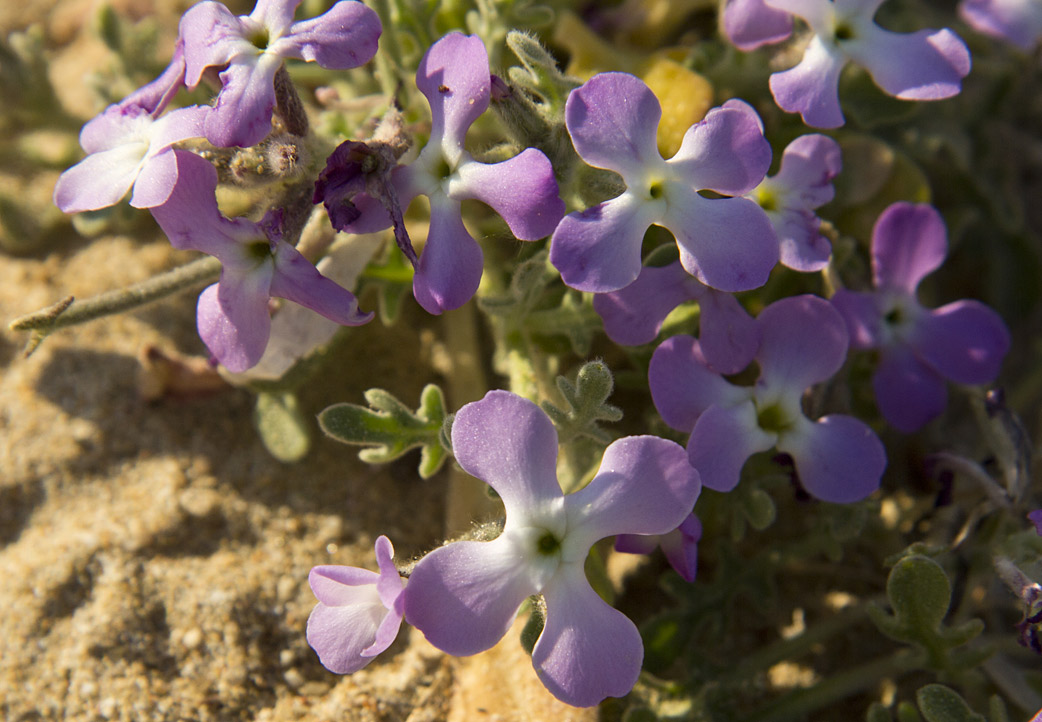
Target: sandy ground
{"x": 154, "y": 556}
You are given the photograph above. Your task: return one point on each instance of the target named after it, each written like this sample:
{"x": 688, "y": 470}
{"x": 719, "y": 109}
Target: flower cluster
{"x": 731, "y": 227}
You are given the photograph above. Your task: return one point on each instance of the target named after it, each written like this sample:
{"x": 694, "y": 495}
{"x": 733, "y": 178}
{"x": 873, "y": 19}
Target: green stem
{"x": 801, "y": 703}
{"x": 69, "y": 312}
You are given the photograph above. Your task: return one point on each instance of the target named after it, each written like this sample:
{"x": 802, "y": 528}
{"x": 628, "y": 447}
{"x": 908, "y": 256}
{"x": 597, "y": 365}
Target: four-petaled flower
{"x": 257, "y": 264}
{"x": 802, "y": 184}
{"x": 358, "y": 613}
{"x": 727, "y": 243}
{"x": 464, "y": 596}
{"x": 803, "y": 342}
{"x": 964, "y": 341}
{"x": 925, "y": 65}
{"x": 454, "y": 77}
{"x": 250, "y": 50}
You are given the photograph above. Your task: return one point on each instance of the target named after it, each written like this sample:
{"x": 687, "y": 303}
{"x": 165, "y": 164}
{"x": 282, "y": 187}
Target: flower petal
{"x": 455, "y": 78}
{"x": 926, "y": 65}
{"x": 633, "y": 315}
{"x": 1018, "y": 21}
{"x": 233, "y": 319}
{"x": 811, "y": 88}
{"x": 449, "y": 271}
{"x": 861, "y": 313}
{"x": 598, "y": 250}
{"x": 509, "y": 443}
{"x": 681, "y": 547}
{"x": 465, "y": 595}
{"x": 727, "y": 243}
{"x": 749, "y": 24}
{"x": 644, "y": 485}
{"x": 908, "y": 392}
{"x": 804, "y": 341}
{"x": 297, "y": 280}
{"x": 339, "y": 634}
{"x": 728, "y": 335}
{"x": 683, "y": 386}
{"x": 213, "y": 36}
{"x": 100, "y": 180}
{"x": 335, "y": 585}
{"x": 343, "y": 37}
{"x": 808, "y": 165}
{"x": 156, "y": 180}
{"x": 964, "y": 341}
{"x": 838, "y": 458}
{"x": 909, "y": 241}
{"x": 725, "y": 151}
{"x": 722, "y": 440}
{"x": 522, "y": 190}
{"x": 587, "y": 651}
{"x": 242, "y": 116}
{"x": 613, "y": 119}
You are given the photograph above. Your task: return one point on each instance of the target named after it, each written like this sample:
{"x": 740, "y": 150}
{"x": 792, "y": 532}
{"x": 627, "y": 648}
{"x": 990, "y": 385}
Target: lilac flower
{"x": 129, "y": 147}
{"x": 1018, "y": 21}
{"x": 634, "y": 315}
{"x": 680, "y": 546}
{"x": 1035, "y": 517}
{"x": 804, "y": 342}
{"x": 232, "y": 315}
{"x": 926, "y": 65}
{"x": 464, "y": 596}
{"x": 454, "y": 77}
{"x": 963, "y": 342}
{"x": 251, "y": 49}
{"x": 727, "y": 243}
{"x": 358, "y": 613}
{"x": 803, "y": 183}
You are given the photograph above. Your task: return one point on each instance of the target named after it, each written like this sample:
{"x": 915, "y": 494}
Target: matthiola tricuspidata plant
{"x": 599, "y": 226}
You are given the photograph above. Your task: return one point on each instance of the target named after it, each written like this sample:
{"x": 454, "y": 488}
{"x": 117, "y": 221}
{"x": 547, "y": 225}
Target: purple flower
{"x": 454, "y": 77}
{"x": 727, "y": 243}
{"x": 1035, "y": 517}
{"x": 464, "y": 596}
{"x": 680, "y": 546}
{"x": 233, "y": 315}
{"x": 634, "y": 315}
{"x": 803, "y": 183}
{"x": 250, "y": 49}
{"x": 129, "y": 147}
{"x": 926, "y": 65}
{"x": 963, "y": 342}
{"x": 1018, "y": 21}
{"x": 803, "y": 342}
{"x": 358, "y": 613}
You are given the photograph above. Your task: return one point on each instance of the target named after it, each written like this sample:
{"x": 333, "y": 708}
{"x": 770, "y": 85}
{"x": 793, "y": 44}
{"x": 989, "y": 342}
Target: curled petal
{"x": 336, "y": 585}
{"x": 683, "y": 385}
{"x": 722, "y": 440}
{"x": 343, "y": 37}
{"x": 749, "y": 24}
{"x": 449, "y": 271}
{"x": 1018, "y": 21}
{"x": 509, "y": 443}
{"x": 297, "y": 279}
{"x": 613, "y": 119}
{"x": 804, "y": 341}
{"x": 681, "y": 547}
{"x": 808, "y": 166}
{"x": 725, "y": 152}
{"x": 644, "y": 486}
{"x": 908, "y": 392}
{"x": 838, "y": 458}
{"x": 587, "y": 651}
{"x": 212, "y": 36}
{"x": 455, "y": 78}
{"x": 340, "y": 634}
{"x": 242, "y": 116}
{"x": 598, "y": 250}
{"x": 633, "y": 315}
{"x": 800, "y": 246}
{"x": 909, "y": 241}
{"x": 811, "y": 88}
{"x": 522, "y": 190}
{"x": 927, "y": 65}
{"x": 727, "y": 243}
{"x": 464, "y": 596}
{"x": 964, "y": 341}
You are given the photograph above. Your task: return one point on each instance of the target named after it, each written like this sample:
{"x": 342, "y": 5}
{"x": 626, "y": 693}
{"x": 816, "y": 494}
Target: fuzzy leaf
{"x": 282, "y": 427}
